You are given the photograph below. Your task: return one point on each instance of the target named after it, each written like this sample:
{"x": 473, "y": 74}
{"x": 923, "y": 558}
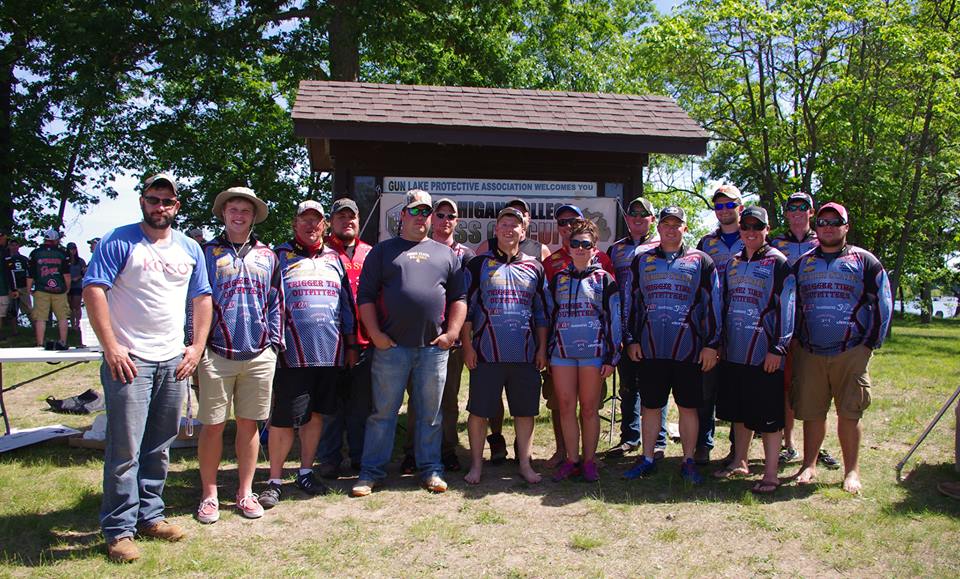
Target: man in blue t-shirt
{"x": 412, "y": 302}
{"x": 721, "y": 244}
{"x": 146, "y": 269}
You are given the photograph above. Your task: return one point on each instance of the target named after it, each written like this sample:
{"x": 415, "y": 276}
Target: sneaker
{"x": 566, "y": 470}
{"x": 643, "y": 467}
{"x": 209, "y": 511}
{"x": 590, "y": 472}
{"x": 435, "y": 484}
{"x": 162, "y": 530}
{"x": 621, "y": 449}
{"x": 701, "y": 456}
{"x": 451, "y": 463}
{"x": 362, "y": 488}
{"x": 328, "y": 471}
{"x": 659, "y": 453}
{"x": 122, "y": 550}
{"x": 250, "y": 507}
{"x": 827, "y": 460}
{"x": 498, "y": 448}
{"x": 409, "y": 464}
{"x": 270, "y": 496}
{"x": 689, "y": 473}
{"x": 61, "y": 346}
{"x": 310, "y": 485}
{"x": 788, "y": 455}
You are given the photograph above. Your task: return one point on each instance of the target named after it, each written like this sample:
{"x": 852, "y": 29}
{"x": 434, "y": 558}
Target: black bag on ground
{"x": 86, "y": 403}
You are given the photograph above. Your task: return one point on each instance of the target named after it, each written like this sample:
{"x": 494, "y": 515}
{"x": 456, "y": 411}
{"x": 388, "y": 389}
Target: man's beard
{"x": 346, "y": 236}
{"x": 163, "y": 221}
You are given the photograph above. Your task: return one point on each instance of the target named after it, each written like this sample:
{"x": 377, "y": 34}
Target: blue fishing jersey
{"x": 318, "y": 305}
{"x": 247, "y": 299}
{"x": 712, "y": 244}
{"x": 792, "y": 247}
{"x": 675, "y": 305}
{"x": 505, "y": 304}
{"x": 584, "y": 311}
{"x": 843, "y": 300}
{"x": 759, "y": 302}
{"x": 622, "y": 253}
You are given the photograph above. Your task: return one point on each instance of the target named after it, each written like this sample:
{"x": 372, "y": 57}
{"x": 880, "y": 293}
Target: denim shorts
{"x": 577, "y": 362}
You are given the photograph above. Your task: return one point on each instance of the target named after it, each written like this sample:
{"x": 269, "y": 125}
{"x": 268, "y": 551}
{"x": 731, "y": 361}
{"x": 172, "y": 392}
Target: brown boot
{"x": 122, "y": 550}
{"x": 163, "y": 530}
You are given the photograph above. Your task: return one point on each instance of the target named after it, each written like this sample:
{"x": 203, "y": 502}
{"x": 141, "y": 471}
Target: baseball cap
{"x": 729, "y": 191}
{"x": 416, "y": 198}
{"x": 309, "y": 204}
{"x": 757, "y": 212}
{"x": 94, "y": 240}
{"x": 510, "y": 212}
{"x": 573, "y": 208}
{"x": 245, "y": 193}
{"x": 646, "y": 205}
{"x": 71, "y": 245}
{"x": 51, "y": 235}
{"x": 672, "y": 211}
{"x": 192, "y": 232}
{"x": 159, "y": 178}
{"x": 518, "y": 201}
{"x": 800, "y": 196}
{"x": 448, "y": 201}
{"x": 344, "y": 203}
{"x": 840, "y": 209}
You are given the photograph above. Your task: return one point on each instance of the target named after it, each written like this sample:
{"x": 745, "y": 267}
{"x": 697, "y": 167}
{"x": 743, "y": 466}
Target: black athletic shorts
{"x": 751, "y": 396}
{"x": 657, "y": 378}
{"x": 487, "y": 382}
{"x": 299, "y": 392}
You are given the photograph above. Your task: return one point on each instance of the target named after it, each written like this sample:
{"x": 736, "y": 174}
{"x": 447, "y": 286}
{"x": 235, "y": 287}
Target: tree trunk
{"x": 926, "y": 303}
{"x": 343, "y": 34}
{"x": 8, "y": 60}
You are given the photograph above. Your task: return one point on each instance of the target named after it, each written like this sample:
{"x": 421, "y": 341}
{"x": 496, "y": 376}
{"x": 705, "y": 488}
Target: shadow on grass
{"x": 922, "y": 496}
{"x": 33, "y": 539}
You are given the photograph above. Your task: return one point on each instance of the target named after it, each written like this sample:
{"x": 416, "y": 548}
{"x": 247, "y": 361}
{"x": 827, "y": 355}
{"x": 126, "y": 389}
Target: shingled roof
{"x": 331, "y": 110}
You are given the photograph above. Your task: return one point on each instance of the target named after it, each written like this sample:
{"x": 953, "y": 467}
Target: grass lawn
{"x": 653, "y": 527}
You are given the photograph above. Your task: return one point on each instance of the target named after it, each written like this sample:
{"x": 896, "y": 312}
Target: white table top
{"x": 37, "y": 354}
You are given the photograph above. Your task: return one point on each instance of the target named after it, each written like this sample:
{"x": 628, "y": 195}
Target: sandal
{"x": 765, "y": 488}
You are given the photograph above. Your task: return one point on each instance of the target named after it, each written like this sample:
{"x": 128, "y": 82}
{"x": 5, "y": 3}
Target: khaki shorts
{"x": 247, "y": 384}
{"x": 43, "y": 302}
{"x": 818, "y": 379}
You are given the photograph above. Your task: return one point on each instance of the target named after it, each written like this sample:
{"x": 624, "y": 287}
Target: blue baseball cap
{"x": 573, "y": 208}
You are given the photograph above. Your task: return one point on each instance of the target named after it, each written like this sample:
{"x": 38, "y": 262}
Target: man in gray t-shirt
{"x": 412, "y": 301}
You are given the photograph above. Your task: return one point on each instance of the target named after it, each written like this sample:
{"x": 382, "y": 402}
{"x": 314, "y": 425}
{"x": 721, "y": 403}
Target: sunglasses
{"x": 835, "y": 222}
{"x": 450, "y": 216}
{"x": 727, "y": 205}
{"x": 418, "y": 211}
{"x": 638, "y": 213}
{"x": 752, "y": 226}
{"x": 568, "y": 221}
{"x": 798, "y": 207}
{"x": 153, "y": 200}
{"x": 581, "y": 244}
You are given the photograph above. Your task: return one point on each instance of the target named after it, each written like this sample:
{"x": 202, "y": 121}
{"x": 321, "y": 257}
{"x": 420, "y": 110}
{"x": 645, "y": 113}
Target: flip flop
{"x": 765, "y": 488}
{"x": 729, "y": 473}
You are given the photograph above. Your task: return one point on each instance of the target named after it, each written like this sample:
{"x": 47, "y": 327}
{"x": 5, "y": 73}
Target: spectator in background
{"x": 93, "y": 244}
{"x": 78, "y": 267}
{"x": 49, "y": 280}
{"x": 19, "y": 266}
{"x": 8, "y": 285}
{"x": 196, "y": 234}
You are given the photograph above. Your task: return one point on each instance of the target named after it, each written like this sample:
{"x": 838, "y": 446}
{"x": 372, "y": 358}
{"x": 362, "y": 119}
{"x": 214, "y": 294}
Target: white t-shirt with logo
{"x": 148, "y": 287}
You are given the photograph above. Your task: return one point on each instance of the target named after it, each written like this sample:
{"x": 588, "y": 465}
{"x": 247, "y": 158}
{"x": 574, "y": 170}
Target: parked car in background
{"x": 943, "y": 307}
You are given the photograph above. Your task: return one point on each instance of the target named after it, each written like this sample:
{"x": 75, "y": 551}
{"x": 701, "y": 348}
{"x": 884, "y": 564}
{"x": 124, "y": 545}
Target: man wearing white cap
{"x": 245, "y": 337}
{"x": 49, "y": 280}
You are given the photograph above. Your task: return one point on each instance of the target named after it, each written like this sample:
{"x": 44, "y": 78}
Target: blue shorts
{"x": 577, "y": 362}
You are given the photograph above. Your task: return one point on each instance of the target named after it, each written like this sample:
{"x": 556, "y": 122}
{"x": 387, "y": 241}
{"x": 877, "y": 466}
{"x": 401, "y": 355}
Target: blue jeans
{"x": 707, "y": 413}
{"x": 630, "y": 407}
{"x": 426, "y": 368}
{"x": 143, "y": 418}
{"x": 351, "y": 415}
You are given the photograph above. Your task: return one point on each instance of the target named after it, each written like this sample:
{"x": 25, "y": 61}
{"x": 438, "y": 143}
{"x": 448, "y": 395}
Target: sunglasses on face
{"x": 638, "y": 213}
{"x": 153, "y": 200}
{"x": 835, "y": 222}
{"x": 567, "y": 221}
{"x": 450, "y": 216}
{"x": 752, "y": 226}
{"x": 798, "y": 207}
{"x": 727, "y": 205}
{"x": 420, "y": 211}
{"x": 581, "y": 244}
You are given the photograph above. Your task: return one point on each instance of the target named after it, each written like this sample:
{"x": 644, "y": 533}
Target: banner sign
{"x": 477, "y": 216}
{"x": 444, "y": 186}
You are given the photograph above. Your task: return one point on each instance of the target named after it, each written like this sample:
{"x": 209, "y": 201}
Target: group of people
{"x": 49, "y": 280}
{"x": 322, "y": 335}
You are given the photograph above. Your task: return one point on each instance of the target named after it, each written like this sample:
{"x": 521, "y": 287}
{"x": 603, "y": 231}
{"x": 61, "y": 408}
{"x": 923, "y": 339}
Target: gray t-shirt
{"x": 411, "y": 283}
